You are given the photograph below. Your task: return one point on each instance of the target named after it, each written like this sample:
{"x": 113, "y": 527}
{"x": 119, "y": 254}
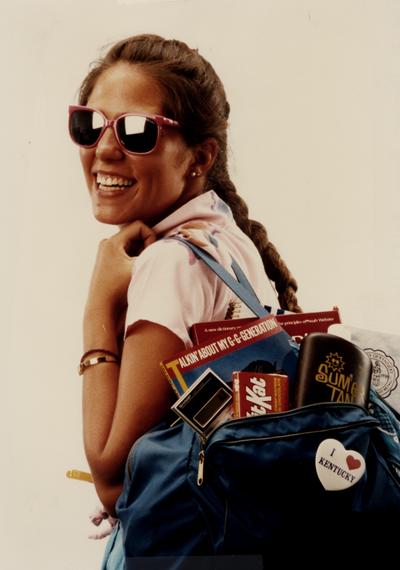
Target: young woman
{"x": 152, "y": 128}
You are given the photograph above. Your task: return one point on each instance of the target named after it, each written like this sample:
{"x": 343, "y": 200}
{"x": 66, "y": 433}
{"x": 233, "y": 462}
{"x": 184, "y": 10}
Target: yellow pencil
{"x": 81, "y": 475}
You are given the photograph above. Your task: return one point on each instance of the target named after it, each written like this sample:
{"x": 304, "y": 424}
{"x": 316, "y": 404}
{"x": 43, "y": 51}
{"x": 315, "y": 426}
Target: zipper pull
{"x": 200, "y": 470}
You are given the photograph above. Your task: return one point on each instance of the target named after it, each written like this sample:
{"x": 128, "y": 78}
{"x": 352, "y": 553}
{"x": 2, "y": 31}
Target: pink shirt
{"x": 173, "y": 288}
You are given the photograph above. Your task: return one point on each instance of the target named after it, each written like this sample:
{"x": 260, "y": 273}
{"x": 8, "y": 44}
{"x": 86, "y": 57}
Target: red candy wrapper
{"x": 256, "y": 393}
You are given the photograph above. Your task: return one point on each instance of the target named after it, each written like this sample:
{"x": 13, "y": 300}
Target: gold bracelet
{"x": 97, "y": 351}
{"x": 87, "y": 362}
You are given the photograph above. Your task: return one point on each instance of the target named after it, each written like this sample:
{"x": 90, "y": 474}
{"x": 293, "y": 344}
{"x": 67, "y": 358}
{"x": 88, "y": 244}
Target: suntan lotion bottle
{"x": 331, "y": 369}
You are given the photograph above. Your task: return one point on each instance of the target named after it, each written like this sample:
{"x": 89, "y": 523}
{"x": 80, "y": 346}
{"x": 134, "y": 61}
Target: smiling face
{"x": 125, "y": 187}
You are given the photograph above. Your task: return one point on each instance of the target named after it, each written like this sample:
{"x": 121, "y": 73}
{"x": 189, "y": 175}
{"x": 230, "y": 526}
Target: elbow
{"x": 106, "y": 466}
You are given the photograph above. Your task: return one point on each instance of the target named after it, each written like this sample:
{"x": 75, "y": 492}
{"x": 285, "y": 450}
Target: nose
{"x": 108, "y": 148}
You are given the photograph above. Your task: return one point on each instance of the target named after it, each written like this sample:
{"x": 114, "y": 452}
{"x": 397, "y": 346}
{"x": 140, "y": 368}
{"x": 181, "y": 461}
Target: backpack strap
{"x": 240, "y": 286}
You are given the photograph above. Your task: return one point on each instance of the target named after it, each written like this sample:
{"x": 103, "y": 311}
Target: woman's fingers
{"x": 98, "y": 515}
{"x": 135, "y": 237}
{"x": 112, "y": 272}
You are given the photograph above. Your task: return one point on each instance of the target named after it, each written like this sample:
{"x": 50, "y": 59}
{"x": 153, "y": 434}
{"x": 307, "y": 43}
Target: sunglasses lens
{"x": 137, "y": 134}
{"x": 85, "y": 126}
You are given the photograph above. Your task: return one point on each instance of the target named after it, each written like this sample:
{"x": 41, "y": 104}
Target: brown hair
{"x": 195, "y": 96}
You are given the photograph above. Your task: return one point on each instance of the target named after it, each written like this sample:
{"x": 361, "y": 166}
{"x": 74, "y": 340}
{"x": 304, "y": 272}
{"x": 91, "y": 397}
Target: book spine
{"x": 170, "y": 379}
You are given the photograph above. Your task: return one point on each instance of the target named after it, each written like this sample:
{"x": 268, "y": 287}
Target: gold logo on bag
{"x": 331, "y": 372}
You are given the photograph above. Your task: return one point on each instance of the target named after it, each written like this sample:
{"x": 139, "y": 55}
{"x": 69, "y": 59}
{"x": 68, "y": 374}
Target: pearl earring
{"x": 194, "y": 173}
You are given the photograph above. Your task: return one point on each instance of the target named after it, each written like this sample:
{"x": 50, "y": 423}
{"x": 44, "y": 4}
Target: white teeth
{"x": 113, "y": 181}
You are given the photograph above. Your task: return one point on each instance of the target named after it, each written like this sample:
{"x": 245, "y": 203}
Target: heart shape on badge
{"x": 337, "y": 467}
{"x": 352, "y": 462}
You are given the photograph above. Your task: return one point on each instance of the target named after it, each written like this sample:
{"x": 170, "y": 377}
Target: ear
{"x": 204, "y": 155}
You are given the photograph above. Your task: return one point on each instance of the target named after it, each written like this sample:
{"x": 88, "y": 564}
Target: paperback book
{"x": 259, "y": 346}
{"x": 384, "y": 351}
{"x": 298, "y": 325}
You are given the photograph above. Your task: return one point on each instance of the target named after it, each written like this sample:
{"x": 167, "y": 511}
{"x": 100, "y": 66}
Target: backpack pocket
{"x": 263, "y": 478}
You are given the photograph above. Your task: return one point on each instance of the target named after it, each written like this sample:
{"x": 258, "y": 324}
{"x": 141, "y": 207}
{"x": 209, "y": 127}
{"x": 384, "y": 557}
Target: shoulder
{"x": 171, "y": 287}
{"x": 171, "y": 265}
{"x": 160, "y": 248}
{"x": 167, "y": 254}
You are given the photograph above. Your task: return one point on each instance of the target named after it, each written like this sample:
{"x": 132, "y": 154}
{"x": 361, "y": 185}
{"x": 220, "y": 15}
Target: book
{"x": 298, "y": 325}
{"x": 331, "y": 369}
{"x": 384, "y": 351}
{"x": 256, "y": 393}
{"x": 260, "y": 346}
{"x": 208, "y": 330}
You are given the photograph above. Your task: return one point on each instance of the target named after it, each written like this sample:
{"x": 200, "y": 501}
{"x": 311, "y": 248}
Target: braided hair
{"x": 195, "y": 97}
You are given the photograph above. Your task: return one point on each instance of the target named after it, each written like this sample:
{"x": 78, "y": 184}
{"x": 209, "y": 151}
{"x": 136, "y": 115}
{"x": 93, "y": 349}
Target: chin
{"x": 110, "y": 219}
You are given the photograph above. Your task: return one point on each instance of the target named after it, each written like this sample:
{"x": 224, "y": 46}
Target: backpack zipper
{"x": 200, "y": 469}
{"x": 202, "y": 454}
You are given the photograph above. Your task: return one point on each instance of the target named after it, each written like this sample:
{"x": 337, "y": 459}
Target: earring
{"x": 195, "y": 173}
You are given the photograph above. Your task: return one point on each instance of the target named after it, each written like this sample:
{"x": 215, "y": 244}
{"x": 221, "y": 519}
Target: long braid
{"x": 274, "y": 265}
{"x": 195, "y": 96}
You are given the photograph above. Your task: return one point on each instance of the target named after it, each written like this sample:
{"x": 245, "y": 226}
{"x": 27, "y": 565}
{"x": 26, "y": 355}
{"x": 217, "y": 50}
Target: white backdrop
{"x": 314, "y": 87}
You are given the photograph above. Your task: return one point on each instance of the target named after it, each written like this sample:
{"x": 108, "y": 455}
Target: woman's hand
{"x": 113, "y": 268}
{"x": 97, "y": 518}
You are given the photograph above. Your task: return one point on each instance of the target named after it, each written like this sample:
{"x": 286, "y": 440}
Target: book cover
{"x": 384, "y": 351}
{"x": 205, "y": 331}
{"x": 298, "y": 325}
{"x": 259, "y": 346}
{"x": 259, "y": 393}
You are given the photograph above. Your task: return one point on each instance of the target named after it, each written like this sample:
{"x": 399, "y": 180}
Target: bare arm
{"x": 120, "y": 403}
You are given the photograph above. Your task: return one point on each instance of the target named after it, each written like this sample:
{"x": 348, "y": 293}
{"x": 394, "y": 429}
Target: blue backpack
{"x": 251, "y": 494}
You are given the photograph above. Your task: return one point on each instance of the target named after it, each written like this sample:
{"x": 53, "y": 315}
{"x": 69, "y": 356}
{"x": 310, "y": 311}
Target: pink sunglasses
{"x": 136, "y": 134}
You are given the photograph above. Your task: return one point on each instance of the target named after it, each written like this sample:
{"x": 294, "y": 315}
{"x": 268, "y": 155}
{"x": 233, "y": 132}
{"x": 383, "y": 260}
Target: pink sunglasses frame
{"x": 159, "y": 120}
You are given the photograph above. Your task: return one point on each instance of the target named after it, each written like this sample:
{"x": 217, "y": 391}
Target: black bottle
{"x": 331, "y": 369}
